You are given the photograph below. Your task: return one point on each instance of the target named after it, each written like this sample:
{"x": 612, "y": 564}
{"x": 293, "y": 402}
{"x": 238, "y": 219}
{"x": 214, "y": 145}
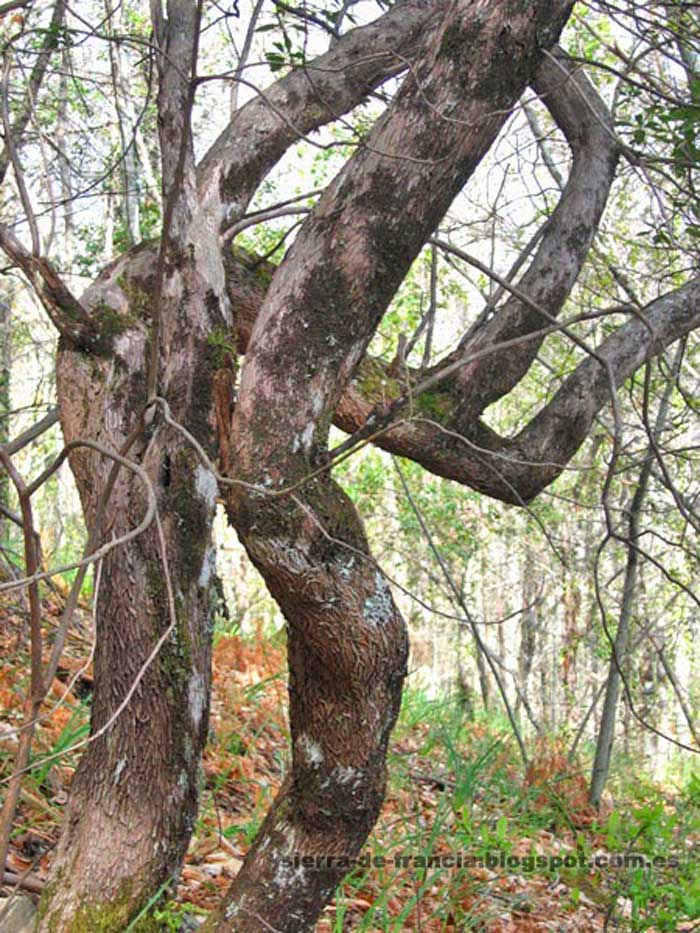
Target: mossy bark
{"x": 134, "y": 797}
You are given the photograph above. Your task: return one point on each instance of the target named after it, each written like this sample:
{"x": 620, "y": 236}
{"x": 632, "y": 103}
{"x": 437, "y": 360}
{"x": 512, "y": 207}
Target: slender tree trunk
{"x": 530, "y": 622}
{"x": 680, "y": 694}
{"x": 481, "y": 665}
{"x": 126, "y": 125}
{"x": 6, "y": 296}
{"x": 606, "y": 732}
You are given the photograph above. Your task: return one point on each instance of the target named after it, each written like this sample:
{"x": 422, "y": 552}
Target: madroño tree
{"x": 148, "y": 367}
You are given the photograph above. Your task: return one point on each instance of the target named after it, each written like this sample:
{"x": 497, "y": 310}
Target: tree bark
{"x": 347, "y": 641}
{"x": 6, "y": 297}
{"x": 134, "y": 797}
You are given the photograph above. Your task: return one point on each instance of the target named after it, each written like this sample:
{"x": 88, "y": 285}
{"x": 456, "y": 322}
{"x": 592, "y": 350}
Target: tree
{"x": 147, "y": 369}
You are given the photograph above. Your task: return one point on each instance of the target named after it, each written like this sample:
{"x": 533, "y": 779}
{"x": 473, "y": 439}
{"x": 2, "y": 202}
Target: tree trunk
{"x": 530, "y": 623}
{"x": 347, "y": 651}
{"x": 134, "y": 796}
{"x": 6, "y": 297}
{"x": 606, "y": 732}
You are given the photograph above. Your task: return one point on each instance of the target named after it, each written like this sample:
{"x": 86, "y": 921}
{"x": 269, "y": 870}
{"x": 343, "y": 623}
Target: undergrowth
{"x": 467, "y": 840}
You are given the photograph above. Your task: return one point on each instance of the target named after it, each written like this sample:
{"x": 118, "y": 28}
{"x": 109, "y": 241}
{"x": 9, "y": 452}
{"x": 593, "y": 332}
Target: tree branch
{"x": 66, "y": 312}
{"x": 584, "y": 119}
{"x": 311, "y": 96}
{"x": 48, "y": 46}
{"x": 513, "y": 470}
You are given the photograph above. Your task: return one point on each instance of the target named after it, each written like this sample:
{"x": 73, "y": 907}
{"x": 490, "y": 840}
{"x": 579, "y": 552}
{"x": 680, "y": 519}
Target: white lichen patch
{"x": 197, "y": 698}
{"x": 318, "y": 402}
{"x": 379, "y": 607}
{"x": 303, "y": 440}
{"x": 312, "y": 751}
{"x": 346, "y": 566}
{"x": 129, "y": 347}
{"x": 344, "y": 774}
{"x": 121, "y": 764}
{"x": 206, "y": 486}
{"x": 208, "y": 567}
{"x": 287, "y": 875}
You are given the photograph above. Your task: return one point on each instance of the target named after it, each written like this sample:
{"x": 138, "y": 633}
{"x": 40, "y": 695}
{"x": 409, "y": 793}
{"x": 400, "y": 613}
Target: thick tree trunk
{"x": 134, "y": 797}
{"x": 348, "y": 649}
{"x": 347, "y": 642}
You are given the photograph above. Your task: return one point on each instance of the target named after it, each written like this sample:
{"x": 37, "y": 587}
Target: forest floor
{"x": 465, "y": 840}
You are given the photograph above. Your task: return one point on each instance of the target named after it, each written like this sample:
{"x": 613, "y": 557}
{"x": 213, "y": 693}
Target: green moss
{"x": 339, "y": 517}
{"x": 154, "y": 579}
{"x": 111, "y": 324}
{"x": 192, "y": 514}
{"x": 222, "y": 345}
{"x": 103, "y": 917}
{"x": 261, "y": 270}
{"x": 198, "y": 417}
{"x": 376, "y": 384}
{"x": 436, "y": 404}
{"x": 139, "y": 295}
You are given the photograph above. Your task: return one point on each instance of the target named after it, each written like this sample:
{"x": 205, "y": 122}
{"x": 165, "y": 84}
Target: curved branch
{"x": 513, "y": 470}
{"x": 583, "y": 117}
{"x": 311, "y": 96}
{"x": 516, "y": 469}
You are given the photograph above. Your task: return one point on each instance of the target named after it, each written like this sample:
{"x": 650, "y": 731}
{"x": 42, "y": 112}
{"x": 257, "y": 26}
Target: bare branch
{"x": 66, "y": 312}
{"x": 31, "y": 434}
{"x": 49, "y": 45}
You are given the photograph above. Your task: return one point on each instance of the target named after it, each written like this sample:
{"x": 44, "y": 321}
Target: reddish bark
{"x": 146, "y": 327}
{"x": 347, "y": 642}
